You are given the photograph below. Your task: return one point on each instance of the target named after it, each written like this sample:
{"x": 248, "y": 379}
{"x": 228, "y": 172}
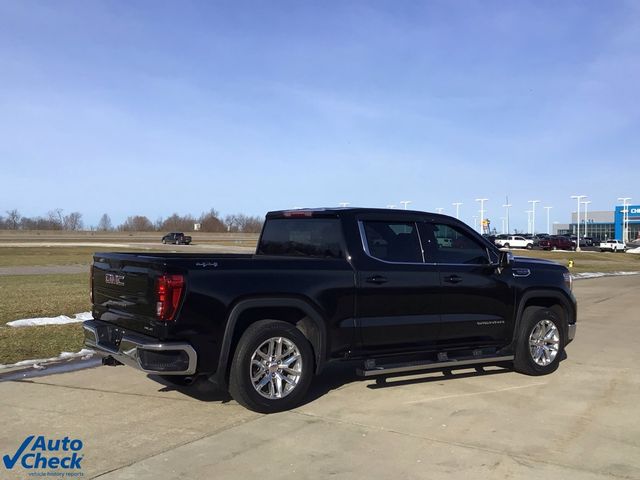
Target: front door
{"x": 477, "y": 302}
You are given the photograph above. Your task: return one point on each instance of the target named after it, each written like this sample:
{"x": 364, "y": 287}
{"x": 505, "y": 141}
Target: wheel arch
{"x": 553, "y": 299}
{"x": 298, "y": 312}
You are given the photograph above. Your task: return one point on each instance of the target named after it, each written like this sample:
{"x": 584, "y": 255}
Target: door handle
{"x": 453, "y": 279}
{"x": 377, "y": 279}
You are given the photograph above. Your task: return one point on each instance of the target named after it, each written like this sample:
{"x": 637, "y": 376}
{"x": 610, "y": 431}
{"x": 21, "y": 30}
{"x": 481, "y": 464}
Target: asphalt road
{"x": 582, "y": 422}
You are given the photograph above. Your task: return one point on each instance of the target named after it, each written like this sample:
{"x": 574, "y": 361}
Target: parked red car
{"x": 557, "y": 242}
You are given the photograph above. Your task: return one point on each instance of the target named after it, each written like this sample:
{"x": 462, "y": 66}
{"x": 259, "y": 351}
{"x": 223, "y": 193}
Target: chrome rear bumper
{"x": 142, "y": 352}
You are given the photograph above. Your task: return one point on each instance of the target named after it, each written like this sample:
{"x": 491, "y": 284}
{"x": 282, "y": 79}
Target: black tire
{"x": 529, "y": 246}
{"x": 506, "y": 245}
{"x": 524, "y": 359}
{"x": 554, "y": 248}
{"x": 164, "y": 242}
{"x": 241, "y": 386}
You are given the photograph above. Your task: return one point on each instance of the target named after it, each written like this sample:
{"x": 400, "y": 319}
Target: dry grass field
{"x": 28, "y": 294}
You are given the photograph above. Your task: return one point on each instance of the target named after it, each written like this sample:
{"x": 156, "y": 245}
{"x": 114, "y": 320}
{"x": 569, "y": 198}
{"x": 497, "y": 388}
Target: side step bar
{"x": 429, "y": 365}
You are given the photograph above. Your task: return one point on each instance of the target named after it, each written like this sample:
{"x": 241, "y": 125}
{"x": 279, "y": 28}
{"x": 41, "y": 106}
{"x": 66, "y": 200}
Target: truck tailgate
{"x": 124, "y": 291}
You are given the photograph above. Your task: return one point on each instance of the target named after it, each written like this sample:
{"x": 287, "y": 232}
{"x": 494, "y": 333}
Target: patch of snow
{"x": 634, "y": 250}
{"x": 578, "y": 276}
{"x": 85, "y": 353}
{"x": 59, "y": 320}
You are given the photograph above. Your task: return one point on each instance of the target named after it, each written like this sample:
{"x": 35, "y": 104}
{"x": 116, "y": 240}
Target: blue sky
{"x": 151, "y": 108}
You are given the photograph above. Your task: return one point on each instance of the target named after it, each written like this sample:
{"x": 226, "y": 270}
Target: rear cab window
{"x": 302, "y": 237}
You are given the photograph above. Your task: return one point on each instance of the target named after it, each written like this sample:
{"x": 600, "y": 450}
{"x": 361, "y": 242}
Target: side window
{"x": 393, "y": 241}
{"x": 455, "y": 246}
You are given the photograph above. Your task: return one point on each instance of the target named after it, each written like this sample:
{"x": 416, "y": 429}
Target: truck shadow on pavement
{"x": 339, "y": 375}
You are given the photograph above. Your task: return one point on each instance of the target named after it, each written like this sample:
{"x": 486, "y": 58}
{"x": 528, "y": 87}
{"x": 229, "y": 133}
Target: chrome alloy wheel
{"x": 544, "y": 342}
{"x": 276, "y": 368}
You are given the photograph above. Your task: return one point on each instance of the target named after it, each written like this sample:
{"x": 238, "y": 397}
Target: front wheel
{"x": 506, "y": 245}
{"x": 540, "y": 342}
{"x": 272, "y": 367}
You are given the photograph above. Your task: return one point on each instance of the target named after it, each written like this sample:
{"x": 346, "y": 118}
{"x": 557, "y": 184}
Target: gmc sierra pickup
{"x": 398, "y": 291}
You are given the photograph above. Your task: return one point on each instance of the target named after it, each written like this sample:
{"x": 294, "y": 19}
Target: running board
{"x": 429, "y": 365}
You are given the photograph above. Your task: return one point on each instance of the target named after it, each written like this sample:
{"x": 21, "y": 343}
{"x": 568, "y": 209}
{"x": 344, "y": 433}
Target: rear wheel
{"x": 272, "y": 367}
{"x": 506, "y": 245}
{"x": 540, "y": 342}
{"x": 529, "y": 246}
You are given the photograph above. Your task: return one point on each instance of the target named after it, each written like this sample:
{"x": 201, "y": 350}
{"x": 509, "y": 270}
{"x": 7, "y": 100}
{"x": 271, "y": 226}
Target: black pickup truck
{"x": 397, "y": 291}
{"x": 177, "y": 238}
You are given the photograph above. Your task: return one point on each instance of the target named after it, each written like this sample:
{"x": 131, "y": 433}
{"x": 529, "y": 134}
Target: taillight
{"x": 91, "y": 283}
{"x": 168, "y": 292}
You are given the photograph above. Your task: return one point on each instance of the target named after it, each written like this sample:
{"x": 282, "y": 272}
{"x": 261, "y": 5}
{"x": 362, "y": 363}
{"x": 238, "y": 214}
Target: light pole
{"x": 405, "y": 203}
{"x": 586, "y": 208}
{"x": 481, "y": 200}
{"x": 507, "y": 206}
{"x": 625, "y": 218}
{"x": 579, "y": 199}
{"x": 457, "y": 205}
{"x": 528, "y": 221}
{"x": 439, "y": 209}
{"x": 533, "y": 215}
{"x": 548, "y": 209}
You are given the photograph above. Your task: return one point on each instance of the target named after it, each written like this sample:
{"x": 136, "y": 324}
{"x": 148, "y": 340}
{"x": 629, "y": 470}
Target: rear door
{"x": 477, "y": 303}
{"x": 397, "y": 297}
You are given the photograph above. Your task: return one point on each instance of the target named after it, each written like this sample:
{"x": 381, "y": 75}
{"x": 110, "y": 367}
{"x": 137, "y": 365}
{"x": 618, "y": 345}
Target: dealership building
{"x": 602, "y": 224}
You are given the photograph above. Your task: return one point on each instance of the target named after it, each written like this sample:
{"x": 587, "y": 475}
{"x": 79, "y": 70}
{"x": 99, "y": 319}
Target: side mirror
{"x": 506, "y": 259}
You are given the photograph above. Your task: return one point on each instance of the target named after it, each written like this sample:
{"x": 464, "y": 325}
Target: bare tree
{"x": 176, "y": 223}
{"x": 105, "y": 225}
{"x": 137, "y": 223}
{"x": 73, "y": 221}
{"x": 210, "y": 222}
{"x": 56, "y": 219}
{"x": 252, "y": 224}
{"x": 243, "y": 223}
{"x": 13, "y": 219}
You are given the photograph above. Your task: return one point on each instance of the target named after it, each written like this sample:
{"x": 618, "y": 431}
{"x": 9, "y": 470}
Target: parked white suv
{"x": 612, "y": 245}
{"x": 514, "y": 241}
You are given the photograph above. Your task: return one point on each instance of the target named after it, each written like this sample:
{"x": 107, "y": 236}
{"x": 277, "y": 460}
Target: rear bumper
{"x": 140, "y": 351}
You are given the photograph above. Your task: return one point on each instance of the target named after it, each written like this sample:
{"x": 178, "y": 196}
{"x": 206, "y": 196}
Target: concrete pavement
{"x": 581, "y": 422}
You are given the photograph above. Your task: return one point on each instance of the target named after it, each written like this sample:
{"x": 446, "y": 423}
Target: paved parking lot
{"x": 582, "y": 422}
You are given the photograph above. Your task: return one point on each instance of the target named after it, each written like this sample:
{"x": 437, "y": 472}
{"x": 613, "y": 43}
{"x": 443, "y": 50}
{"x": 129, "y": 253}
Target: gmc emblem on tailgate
{"x": 114, "y": 279}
